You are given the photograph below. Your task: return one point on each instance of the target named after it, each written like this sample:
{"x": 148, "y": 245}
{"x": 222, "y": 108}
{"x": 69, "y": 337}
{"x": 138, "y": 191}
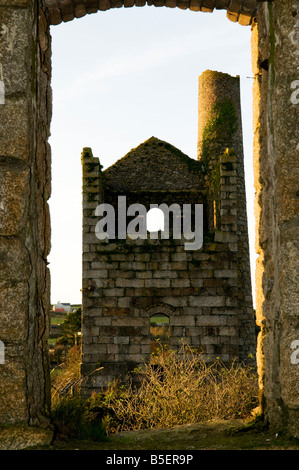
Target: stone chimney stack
{"x": 220, "y": 149}
{"x": 219, "y": 114}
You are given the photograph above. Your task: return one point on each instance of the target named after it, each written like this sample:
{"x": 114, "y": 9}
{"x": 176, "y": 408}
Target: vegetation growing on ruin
{"x": 219, "y": 129}
{"x": 217, "y": 135}
{"x": 180, "y": 389}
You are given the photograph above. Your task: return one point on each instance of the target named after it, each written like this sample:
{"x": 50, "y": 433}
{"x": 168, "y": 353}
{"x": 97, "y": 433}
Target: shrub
{"x": 179, "y": 388}
{"x": 72, "y": 418}
{"x": 176, "y": 388}
{"x": 66, "y": 377}
{"x": 71, "y": 413}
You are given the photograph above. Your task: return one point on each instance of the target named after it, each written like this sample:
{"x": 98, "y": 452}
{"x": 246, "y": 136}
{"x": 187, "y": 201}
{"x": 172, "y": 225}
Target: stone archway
{"x": 25, "y": 159}
{"x": 66, "y": 10}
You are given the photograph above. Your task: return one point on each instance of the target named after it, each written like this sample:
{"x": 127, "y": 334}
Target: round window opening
{"x": 155, "y": 220}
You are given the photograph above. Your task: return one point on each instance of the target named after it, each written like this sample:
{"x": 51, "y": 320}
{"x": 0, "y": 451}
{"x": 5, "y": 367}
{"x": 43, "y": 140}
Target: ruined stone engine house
{"x": 205, "y": 293}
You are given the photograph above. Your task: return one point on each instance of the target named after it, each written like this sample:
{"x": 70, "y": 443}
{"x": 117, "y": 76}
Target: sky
{"x": 120, "y": 77}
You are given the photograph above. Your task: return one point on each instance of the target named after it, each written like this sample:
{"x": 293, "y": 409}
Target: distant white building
{"x": 62, "y": 307}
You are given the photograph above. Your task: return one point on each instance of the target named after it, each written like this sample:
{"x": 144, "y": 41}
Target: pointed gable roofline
{"x": 155, "y": 165}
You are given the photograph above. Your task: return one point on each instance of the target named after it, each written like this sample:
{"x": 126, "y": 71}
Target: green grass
{"x": 57, "y": 320}
{"x": 52, "y": 341}
{"x": 159, "y": 319}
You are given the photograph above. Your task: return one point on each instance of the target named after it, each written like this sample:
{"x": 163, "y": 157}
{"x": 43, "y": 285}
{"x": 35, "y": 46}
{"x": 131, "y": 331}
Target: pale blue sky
{"x": 120, "y": 77}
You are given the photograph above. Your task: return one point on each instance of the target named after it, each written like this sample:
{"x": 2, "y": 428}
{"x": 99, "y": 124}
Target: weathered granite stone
{"x": 15, "y": 123}
{"x": 14, "y": 48}
{"x": 13, "y": 298}
{"x": 24, "y": 230}
{"x": 18, "y": 437}
{"x": 275, "y": 58}
{"x": 65, "y": 10}
{"x": 14, "y": 195}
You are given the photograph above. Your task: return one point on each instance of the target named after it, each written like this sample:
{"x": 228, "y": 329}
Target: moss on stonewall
{"x": 220, "y": 128}
{"x": 218, "y": 134}
{"x": 214, "y": 182}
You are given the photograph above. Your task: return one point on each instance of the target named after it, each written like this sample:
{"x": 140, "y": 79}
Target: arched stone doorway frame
{"x": 25, "y": 107}
{"x": 58, "y": 11}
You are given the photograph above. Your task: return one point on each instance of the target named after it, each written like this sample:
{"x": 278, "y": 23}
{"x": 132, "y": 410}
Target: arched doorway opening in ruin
{"x": 174, "y": 54}
{"x": 159, "y": 332}
{"x": 25, "y": 106}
